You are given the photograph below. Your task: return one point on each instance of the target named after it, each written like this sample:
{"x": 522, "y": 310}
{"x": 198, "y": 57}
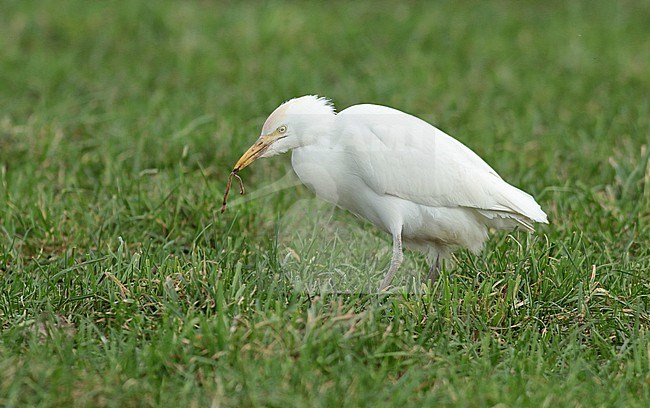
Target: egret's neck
{"x": 315, "y": 129}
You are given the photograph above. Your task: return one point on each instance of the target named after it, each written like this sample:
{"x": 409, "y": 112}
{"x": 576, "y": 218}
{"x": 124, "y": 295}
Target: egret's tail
{"x": 517, "y": 208}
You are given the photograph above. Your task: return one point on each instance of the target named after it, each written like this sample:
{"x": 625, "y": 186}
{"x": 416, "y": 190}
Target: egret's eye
{"x": 282, "y": 129}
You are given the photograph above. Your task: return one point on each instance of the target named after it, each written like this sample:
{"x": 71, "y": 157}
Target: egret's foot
{"x": 385, "y": 284}
{"x": 434, "y": 272}
{"x": 395, "y": 262}
{"x": 433, "y": 275}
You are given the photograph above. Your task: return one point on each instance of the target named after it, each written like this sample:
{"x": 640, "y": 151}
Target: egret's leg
{"x": 434, "y": 271}
{"x": 395, "y": 262}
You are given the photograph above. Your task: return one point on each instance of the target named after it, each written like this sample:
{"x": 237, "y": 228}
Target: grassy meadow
{"x": 122, "y": 285}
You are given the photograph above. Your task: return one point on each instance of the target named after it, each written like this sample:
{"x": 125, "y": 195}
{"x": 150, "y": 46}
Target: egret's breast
{"x": 327, "y": 173}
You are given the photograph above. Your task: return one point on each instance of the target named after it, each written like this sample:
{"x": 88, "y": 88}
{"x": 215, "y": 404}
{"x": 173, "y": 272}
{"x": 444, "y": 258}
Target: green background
{"x": 121, "y": 284}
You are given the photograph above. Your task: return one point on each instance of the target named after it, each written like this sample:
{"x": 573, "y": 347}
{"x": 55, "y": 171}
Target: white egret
{"x": 408, "y": 178}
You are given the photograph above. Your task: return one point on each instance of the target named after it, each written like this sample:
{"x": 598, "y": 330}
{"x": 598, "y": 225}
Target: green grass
{"x": 121, "y": 284}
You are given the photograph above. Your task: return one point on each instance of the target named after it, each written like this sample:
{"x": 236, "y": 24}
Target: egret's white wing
{"x": 401, "y": 155}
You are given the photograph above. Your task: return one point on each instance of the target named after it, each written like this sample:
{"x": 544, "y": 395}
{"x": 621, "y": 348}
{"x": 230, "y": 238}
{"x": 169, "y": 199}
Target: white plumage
{"x": 408, "y": 178}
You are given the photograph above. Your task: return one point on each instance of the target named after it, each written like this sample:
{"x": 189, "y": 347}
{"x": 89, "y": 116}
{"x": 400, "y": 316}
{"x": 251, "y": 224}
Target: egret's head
{"x": 286, "y": 126}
